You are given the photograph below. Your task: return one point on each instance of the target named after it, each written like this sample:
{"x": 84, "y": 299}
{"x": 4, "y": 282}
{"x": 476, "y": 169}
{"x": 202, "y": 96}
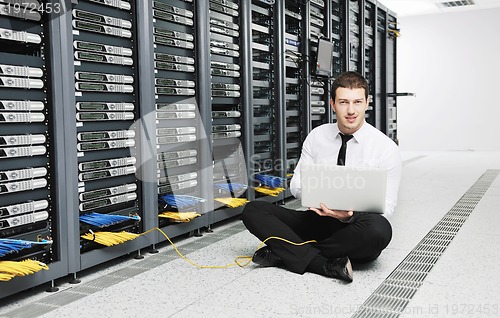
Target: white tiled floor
{"x": 465, "y": 282}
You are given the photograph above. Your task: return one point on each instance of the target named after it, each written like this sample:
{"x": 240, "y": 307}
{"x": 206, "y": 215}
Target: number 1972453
{"x": 31, "y": 7}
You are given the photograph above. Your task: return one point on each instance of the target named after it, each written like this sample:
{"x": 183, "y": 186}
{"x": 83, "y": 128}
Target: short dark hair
{"x": 349, "y": 80}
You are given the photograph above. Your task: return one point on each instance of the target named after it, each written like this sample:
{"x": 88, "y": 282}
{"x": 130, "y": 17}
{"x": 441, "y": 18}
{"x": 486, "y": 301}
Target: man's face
{"x": 350, "y": 106}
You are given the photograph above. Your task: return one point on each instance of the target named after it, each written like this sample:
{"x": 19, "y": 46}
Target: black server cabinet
{"x": 320, "y": 28}
{"x": 262, "y": 118}
{"x": 385, "y": 73}
{"x": 354, "y": 24}
{"x": 179, "y": 131}
{"x": 369, "y": 25}
{"x": 295, "y": 83}
{"x": 391, "y": 108}
{"x": 30, "y": 141}
{"x": 230, "y": 178}
{"x": 104, "y": 37}
{"x": 340, "y": 39}
{"x": 380, "y": 98}
{"x": 25, "y": 138}
{"x": 361, "y": 17}
{"x": 360, "y": 55}
{"x": 338, "y": 31}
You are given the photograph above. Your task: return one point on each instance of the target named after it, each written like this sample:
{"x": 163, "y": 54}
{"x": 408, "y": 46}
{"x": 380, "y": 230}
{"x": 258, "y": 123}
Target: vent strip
{"x": 393, "y": 295}
{"x": 454, "y": 4}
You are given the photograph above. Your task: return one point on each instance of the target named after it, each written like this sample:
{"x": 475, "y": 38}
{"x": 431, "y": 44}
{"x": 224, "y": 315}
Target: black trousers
{"x": 362, "y": 240}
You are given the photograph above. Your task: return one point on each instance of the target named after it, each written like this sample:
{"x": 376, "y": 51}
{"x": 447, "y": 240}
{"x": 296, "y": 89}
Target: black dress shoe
{"x": 265, "y": 257}
{"x": 339, "y": 268}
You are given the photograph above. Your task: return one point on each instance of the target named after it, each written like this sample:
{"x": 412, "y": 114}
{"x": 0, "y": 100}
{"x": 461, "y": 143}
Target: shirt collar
{"x": 359, "y": 135}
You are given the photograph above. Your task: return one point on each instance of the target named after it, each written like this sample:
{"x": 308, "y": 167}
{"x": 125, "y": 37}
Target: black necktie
{"x": 343, "y": 149}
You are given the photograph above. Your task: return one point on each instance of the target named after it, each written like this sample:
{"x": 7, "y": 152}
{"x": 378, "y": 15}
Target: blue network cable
{"x": 230, "y": 187}
{"x": 103, "y": 220}
{"x": 180, "y": 201}
{"x": 8, "y": 246}
{"x": 270, "y": 181}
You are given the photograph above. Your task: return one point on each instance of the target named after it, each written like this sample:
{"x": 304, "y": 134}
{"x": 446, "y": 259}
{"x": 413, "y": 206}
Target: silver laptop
{"x": 343, "y": 188}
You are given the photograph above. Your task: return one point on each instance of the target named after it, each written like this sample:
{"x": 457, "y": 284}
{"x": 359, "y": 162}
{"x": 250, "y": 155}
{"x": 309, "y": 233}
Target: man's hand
{"x": 341, "y": 215}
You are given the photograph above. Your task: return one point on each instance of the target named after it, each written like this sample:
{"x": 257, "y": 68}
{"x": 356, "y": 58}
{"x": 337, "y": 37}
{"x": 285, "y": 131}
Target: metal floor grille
{"x": 393, "y": 295}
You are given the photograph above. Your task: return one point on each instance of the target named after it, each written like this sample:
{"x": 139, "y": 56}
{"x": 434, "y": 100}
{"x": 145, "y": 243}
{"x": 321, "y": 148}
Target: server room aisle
{"x": 464, "y": 282}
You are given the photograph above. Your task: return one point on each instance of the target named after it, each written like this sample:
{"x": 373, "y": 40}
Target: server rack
{"x": 104, "y": 82}
{"x": 368, "y": 53}
{"x": 296, "y": 98}
{"x": 380, "y": 65}
{"x": 337, "y": 36}
{"x": 320, "y": 25}
{"x": 30, "y": 141}
{"x": 390, "y": 72}
{"x": 385, "y": 73}
{"x": 262, "y": 118}
{"x": 230, "y": 178}
{"x": 359, "y": 43}
{"x": 180, "y": 103}
{"x": 355, "y": 29}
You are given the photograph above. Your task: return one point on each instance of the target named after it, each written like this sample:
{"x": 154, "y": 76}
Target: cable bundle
{"x": 231, "y": 187}
{"x": 270, "y": 181}
{"x": 393, "y": 29}
{"x": 8, "y": 246}
{"x": 181, "y": 201}
{"x": 269, "y": 191}
{"x": 179, "y": 216}
{"x": 11, "y": 269}
{"x": 103, "y": 220}
{"x": 232, "y": 202}
{"x": 110, "y": 238}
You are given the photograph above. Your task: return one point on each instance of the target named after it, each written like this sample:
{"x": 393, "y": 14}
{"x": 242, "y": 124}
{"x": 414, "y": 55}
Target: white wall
{"x": 452, "y": 62}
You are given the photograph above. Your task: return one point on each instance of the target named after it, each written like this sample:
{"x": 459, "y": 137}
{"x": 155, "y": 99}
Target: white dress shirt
{"x": 369, "y": 148}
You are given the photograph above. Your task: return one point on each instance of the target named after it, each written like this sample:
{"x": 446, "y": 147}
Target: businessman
{"x": 341, "y": 236}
